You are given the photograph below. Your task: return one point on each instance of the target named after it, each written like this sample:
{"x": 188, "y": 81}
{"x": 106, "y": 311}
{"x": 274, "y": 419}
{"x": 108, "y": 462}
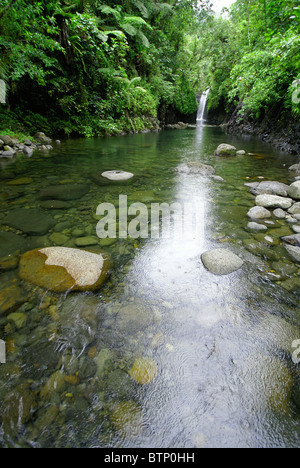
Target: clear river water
{"x": 220, "y": 347}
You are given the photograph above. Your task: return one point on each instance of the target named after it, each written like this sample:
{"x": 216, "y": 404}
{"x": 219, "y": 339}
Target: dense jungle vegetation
{"x": 100, "y": 67}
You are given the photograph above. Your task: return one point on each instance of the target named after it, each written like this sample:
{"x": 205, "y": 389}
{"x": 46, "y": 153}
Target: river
{"x": 219, "y": 348}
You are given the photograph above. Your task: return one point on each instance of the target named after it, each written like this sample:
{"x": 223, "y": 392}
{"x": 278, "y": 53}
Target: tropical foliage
{"x": 94, "y": 67}
{"x": 253, "y": 57}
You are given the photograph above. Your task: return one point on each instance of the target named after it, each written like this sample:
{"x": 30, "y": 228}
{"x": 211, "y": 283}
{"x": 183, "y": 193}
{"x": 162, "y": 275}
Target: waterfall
{"x": 202, "y": 106}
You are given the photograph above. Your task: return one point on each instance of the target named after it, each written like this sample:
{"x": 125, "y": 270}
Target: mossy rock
{"x": 61, "y": 269}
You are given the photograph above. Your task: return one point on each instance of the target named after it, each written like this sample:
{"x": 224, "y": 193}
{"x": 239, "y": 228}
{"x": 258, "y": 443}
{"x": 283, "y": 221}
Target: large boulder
{"x": 294, "y": 190}
{"x": 221, "y": 261}
{"x": 62, "y": 269}
{"x": 226, "y": 150}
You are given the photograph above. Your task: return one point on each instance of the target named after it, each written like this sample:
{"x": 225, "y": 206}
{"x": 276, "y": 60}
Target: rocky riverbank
{"x": 280, "y": 130}
{"x": 9, "y": 146}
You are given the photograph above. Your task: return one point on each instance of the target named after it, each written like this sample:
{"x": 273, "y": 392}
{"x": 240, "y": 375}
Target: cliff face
{"x": 276, "y": 126}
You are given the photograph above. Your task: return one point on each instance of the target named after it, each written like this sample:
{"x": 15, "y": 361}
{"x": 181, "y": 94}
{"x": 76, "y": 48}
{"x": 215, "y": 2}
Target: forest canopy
{"x": 94, "y": 67}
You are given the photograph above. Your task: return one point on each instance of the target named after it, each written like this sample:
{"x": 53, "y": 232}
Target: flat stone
{"x": 271, "y": 188}
{"x": 86, "y": 241}
{"x": 108, "y": 178}
{"x": 64, "y": 192}
{"x": 221, "y": 261}
{"x": 258, "y": 212}
{"x": 273, "y": 201}
{"x": 61, "y": 269}
{"x": 117, "y": 176}
{"x": 257, "y": 227}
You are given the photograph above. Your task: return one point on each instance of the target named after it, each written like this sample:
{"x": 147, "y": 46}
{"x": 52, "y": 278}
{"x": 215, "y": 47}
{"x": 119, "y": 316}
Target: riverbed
{"x": 216, "y": 350}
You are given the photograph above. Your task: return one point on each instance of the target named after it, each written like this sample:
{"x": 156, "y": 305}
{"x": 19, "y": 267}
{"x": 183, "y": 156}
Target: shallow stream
{"x": 219, "y": 349}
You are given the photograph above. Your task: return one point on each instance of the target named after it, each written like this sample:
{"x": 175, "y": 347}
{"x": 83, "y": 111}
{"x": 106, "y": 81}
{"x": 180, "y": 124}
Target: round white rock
{"x": 117, "y": 175}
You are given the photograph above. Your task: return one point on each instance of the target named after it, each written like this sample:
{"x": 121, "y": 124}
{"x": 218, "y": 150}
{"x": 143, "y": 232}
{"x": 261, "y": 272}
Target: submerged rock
{"x": 64, "y": 192}
{"x": 61, "y": 269}
{"x": 268, "y": 379}
{"x": 144, "y": 371}
{"x": 221, "y": 261}
{"x": 11, "y": 297}
{"x": 127, "y": 419}
{"x": 18, "y": 408}
{"x": 31, "y": 221}
{"x": 196, "y": 168}
{"x": 11, "y": 243}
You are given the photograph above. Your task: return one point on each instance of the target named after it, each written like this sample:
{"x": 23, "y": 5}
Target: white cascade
{"x": 202, "y": 106}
